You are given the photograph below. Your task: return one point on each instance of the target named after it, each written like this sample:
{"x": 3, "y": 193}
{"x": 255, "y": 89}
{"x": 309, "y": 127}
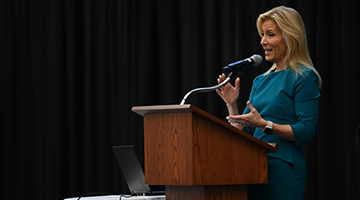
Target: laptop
{"x": 133, "y": 173}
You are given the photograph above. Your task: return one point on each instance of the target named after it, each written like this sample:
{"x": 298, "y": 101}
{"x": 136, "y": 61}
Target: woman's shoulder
{"x": 302, "y": 73}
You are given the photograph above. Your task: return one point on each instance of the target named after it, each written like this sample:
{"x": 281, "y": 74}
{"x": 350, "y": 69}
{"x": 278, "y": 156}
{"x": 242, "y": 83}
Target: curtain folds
{"x": 72, "y": 70}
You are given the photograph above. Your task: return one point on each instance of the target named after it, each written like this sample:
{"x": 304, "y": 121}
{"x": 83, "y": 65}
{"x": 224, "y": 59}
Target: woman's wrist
{"x": 263, "y": 124}
{"x": 232, "y": 108}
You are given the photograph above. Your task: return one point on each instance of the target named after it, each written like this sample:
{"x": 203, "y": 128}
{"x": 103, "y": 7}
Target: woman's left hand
{"x": 251, "y": 119}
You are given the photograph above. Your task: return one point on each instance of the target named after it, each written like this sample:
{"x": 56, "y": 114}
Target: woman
{"x": 283, "y": 103}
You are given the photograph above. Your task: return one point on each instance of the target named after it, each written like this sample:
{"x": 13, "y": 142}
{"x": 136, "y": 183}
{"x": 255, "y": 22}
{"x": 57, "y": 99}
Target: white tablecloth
{"x": 117, "y": 197}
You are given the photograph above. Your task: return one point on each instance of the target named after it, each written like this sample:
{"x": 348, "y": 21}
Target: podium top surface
{"x": 142, "y": 110}
{"x": 162, "y": 109}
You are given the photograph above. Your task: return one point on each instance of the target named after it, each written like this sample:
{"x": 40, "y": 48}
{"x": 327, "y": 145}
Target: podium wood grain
{"x": 195, "y": 153}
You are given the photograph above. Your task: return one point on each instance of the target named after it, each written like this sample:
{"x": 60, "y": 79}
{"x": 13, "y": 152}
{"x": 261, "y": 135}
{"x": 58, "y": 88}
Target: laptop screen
{"x": 131, "y": 169}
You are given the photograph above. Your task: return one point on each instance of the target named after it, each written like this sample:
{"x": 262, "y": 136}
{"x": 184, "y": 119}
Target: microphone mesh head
{"x": 257, "y": 59}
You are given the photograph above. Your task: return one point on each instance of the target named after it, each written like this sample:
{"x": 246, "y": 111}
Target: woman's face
{"x": 273, "y": 43}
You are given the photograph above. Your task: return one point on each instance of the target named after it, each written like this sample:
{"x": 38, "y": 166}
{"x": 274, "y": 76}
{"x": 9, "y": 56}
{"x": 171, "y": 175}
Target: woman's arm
{"x": 253, "y": 119}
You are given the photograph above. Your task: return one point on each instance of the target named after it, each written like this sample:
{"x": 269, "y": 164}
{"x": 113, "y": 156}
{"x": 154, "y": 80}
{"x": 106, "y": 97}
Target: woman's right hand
{"x": 228, "y": 92}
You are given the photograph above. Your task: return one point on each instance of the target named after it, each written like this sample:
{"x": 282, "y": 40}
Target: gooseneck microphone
{"x": 253, "y": 61}
{"x": 230, "y": 71}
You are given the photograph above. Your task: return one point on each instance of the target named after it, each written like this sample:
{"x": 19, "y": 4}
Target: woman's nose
{"x": 263, "y": 41}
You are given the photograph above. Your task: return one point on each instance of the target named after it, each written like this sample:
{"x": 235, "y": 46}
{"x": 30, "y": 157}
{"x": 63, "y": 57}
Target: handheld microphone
{"x": 230, "y": 70}
{"x": 254, "y": 60}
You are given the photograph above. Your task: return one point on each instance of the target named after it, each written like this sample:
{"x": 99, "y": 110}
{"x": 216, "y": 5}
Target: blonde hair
{"x": 293, "y": 29}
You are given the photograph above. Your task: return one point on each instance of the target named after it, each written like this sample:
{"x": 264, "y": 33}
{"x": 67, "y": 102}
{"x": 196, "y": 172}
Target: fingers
{"x": 218, "y": 91}
{"x": 235, "y": 118}
{"x": 250, "y": 106}
{"x": 221, "y": 78}
{"x": 237, "y": 83}
{"x": 251, "y": 119}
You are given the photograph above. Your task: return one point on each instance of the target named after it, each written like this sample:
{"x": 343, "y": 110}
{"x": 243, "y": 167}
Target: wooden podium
{"x": 198, "y": 156}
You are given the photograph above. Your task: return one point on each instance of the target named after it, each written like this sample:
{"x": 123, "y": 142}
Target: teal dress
{"x": 285, "y": 98}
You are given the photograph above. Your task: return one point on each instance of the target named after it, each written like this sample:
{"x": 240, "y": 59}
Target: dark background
{"x": 72, "y": 70}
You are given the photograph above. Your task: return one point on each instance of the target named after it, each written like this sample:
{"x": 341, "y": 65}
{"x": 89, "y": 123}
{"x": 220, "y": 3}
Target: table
{"x": 117, "y": 197}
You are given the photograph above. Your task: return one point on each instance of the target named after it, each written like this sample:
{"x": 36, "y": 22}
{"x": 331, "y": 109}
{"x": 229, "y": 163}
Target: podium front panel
{"x": 186, "y": 148}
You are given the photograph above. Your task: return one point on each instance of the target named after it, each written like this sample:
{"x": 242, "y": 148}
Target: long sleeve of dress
{"x": 306, "y": 94}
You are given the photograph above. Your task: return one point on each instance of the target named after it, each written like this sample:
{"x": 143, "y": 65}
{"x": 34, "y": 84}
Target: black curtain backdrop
{"x": 72, "y": 70}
